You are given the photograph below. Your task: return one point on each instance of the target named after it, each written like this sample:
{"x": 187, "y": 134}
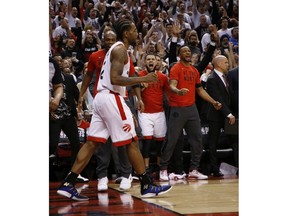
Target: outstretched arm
{"x": 69, "y": 9}
{"x": 173, "y": 86}
{"x": 149, "y": 33}
{"x": 119, "y": 57}
{"x": 204, "y": 95}
{"x": 209, "y": 53}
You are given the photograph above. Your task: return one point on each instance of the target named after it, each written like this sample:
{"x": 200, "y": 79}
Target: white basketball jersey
{"x": 105, "y": 79}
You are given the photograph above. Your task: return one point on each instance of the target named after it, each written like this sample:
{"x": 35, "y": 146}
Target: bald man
{"x": 219, "y": 89}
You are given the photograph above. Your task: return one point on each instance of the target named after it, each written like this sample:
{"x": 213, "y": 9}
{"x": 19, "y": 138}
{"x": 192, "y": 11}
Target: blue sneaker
{"x": 68, "y": 190}
{"x": 155, "y": 190}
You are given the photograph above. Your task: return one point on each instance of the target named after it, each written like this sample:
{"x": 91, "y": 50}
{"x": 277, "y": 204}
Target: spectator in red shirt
{"x": 184, "y": 83}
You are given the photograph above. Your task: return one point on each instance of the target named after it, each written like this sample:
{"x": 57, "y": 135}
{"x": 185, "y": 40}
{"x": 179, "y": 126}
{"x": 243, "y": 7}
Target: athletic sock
{"x": 145, "y": 180}
{"x": 71, "y": 177}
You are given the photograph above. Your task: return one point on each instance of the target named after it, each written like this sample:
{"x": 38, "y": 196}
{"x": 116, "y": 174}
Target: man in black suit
{"x": 233, "y": 80}
{"x": 219, "y": 89}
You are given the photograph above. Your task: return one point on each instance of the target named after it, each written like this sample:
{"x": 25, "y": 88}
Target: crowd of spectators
{"x": 76, "y": 26}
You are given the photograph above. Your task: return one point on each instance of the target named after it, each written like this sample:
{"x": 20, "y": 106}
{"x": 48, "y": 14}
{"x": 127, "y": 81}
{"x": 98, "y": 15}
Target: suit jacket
{"x": 217, "y": 90}
{"x": 233, "y": 79}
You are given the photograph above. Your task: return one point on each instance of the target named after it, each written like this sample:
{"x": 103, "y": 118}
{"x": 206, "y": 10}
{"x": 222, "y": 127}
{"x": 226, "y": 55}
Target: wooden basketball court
{"x": 212, "y": 197}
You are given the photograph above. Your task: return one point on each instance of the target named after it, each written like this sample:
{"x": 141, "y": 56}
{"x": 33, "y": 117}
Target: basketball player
{"x": 112, "y": 117}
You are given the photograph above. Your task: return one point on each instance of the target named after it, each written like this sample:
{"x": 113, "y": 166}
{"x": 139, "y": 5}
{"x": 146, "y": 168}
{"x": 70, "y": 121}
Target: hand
{"x": 214, "y": 34}
{"x": 140, "y": 35}
{"x": 183, "y": 91}
{"x": 53, "y": 116}
{"x": 87, "y": 116}
{"x": 151, "y": 77}
{"x": 232, "y": 120}
{"x": 53, "y": 104}
{"x": 79, "y": 115}
{"x": 140, "y": 106}
{"x": 176, "y": 29}
{"x": 74, "y": 59}
{"x": 217, "y": 105}
{"x": 144, "y": 85}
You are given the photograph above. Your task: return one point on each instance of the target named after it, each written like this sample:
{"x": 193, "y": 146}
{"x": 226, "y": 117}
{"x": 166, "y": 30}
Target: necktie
{"x": 226, "y": 82}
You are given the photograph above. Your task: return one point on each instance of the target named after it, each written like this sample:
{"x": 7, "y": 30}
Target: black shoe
{"x": 218, "y": 174}
{"x": 53, "y": 160}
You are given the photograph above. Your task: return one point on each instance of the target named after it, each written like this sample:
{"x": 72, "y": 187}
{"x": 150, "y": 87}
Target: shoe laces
{"x": 102, "y": 181}
{"x": 73, "y": 190}
{"x": 126, "y": 180}
{"x": 195, "y": 172}
{"x": 155, "y": 188}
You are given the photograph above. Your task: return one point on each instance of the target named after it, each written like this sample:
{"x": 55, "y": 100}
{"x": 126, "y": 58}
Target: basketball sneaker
{"x": 194, "y": 174}
{"x": 68, "y": 190}
{"x": 154, "y": 190}
{"x": 125, "y": 183}
{"x": 177, "y": 176}
{"x": 102, "y": 184}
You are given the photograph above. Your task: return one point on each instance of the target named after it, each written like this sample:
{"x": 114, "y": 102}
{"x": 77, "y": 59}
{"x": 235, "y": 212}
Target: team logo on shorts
{"x": 126, "y": 127}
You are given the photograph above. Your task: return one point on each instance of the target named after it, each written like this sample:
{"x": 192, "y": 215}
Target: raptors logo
{"x": 126, "y": 127}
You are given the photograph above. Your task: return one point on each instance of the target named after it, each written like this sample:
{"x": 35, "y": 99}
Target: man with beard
{"x": 90, "y": 44}
{"x": 184, "y": 83}
{"x": 193, "y": 43}
{"x": 152, "y": 121}
{"x": 112, "y": 117}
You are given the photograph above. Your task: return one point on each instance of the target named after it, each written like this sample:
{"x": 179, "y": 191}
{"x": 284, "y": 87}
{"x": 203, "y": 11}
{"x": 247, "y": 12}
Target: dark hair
{"x": 224, "y": 36}
{"x": 92, "y": 2}
{"x": 183, "y": 32}
{"x": 121, "y": 26}
{"x": 146, "y": 54}
{"x": 184, "y": 45}
{"x": 233, "y": 29}
{"x": 224, "y": 18}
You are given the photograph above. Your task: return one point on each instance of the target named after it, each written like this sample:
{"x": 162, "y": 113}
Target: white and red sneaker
{"x": 194, "y": 174}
